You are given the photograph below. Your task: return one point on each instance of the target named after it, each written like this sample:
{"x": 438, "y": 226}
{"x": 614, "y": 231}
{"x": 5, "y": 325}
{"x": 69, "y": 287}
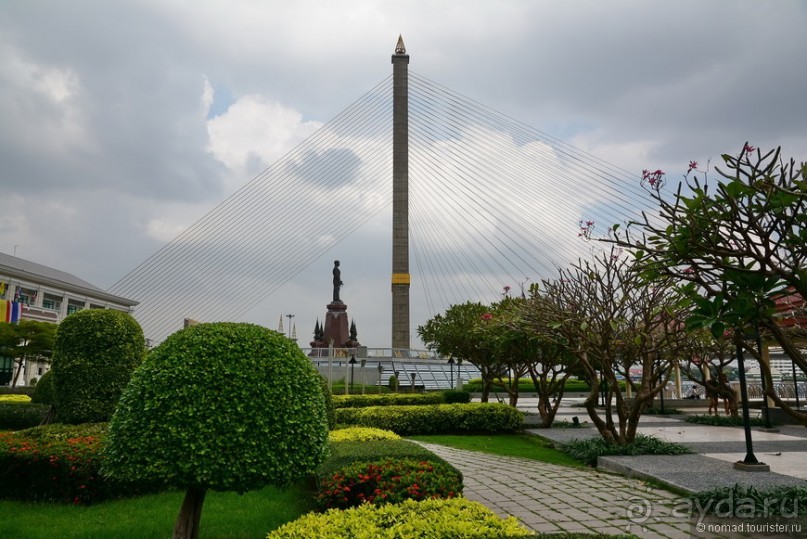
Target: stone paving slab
{"x": 551, "y": 498}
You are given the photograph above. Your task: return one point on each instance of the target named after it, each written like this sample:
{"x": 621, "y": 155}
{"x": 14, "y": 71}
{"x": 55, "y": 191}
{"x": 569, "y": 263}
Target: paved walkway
{"x": 552, "y": 499}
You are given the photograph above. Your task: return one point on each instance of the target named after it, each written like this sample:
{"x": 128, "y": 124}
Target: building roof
{"x": 31, "y": 271}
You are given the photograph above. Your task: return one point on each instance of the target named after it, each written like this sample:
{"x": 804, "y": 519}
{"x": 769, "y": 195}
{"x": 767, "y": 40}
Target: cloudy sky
{"x": 122, "y": 123}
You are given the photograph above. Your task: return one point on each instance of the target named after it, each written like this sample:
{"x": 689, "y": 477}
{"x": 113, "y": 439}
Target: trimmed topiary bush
{"x": 94, "y": 355}
{"x": 435, "y": 419}
{"x": 427, "y": 519}
{"x": 388, "y": 481}
{"x": 45, "y": 391}
{"x": 220, "y": 406}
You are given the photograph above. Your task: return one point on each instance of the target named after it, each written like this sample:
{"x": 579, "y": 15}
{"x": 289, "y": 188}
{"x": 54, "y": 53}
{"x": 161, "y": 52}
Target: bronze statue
{"x": 337, "y": 280}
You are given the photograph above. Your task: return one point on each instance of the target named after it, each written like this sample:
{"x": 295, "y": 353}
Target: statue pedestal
{"x": 336, "y": 325}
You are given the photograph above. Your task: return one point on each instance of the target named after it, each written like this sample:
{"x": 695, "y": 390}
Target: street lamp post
{"x": 451, "y": 370}
{"x": 795, "y": 383}
{"x": 413, "y": 381}
{"x": 289, "y": 316}
{"x": 363, "y": 375}
{"x": 380, "y": 370}
{"x": 750, "y": 463}
{"x": 352, "y": 365}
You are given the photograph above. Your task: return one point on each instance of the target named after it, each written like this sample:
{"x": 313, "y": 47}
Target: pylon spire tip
{"x": 399, "y": 47}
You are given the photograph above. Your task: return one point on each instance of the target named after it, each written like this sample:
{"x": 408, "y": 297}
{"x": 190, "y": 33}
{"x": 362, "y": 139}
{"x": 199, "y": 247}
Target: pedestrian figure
{"x": 711, "y": 394}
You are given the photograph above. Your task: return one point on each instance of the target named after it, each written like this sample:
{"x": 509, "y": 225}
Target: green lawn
{"x": 514, "y": 445}
{"x": 225, "y": 515}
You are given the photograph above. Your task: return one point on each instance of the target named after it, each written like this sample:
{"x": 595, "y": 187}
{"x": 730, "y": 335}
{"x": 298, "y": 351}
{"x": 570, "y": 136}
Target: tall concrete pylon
{"x": 400, "y": 196}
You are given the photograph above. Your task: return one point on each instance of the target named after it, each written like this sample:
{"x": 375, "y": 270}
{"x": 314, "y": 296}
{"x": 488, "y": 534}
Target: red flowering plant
{"x": 388, "y": 481}
{"x": 59, "y": 463}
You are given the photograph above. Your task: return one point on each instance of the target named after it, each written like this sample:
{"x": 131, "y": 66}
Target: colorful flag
{"x": 10, "y": 311}
{"x": 2, "y": 288}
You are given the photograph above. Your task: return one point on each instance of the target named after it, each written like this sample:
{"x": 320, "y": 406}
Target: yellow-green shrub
{"x": 361, "y": 434}
{"x": 427, "y": 519}
{"x": 16, "y": 398}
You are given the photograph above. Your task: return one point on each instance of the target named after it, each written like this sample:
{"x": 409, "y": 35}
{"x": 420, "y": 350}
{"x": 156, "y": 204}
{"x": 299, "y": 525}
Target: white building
{"x": 48, "y": 295}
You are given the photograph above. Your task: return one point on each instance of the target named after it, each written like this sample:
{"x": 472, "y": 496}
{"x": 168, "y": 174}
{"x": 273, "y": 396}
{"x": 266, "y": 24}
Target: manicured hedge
{"x": 401, "y": 399}
{"x": 58, "y": 463}
{"x": 435, "y": 419}
{"x": 386, "y": 399}
{"x": 427, "y": 519}
{"x": 21, "y": 415}
{"x": 343, "y": 454}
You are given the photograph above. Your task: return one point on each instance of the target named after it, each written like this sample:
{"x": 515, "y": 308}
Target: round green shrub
{"x": 94, "y": 355}
{"x": 224, "y": 406}
{"x": 427, "y": 519}
{"x": 45, "y": 391}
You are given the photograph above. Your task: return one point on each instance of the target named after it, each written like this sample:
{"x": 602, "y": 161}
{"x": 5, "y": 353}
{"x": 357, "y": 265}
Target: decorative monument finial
{"x": 399, "y": 48}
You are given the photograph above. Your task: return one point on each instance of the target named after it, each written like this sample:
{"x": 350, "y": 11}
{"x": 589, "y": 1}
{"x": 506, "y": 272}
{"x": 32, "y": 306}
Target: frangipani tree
{"x": 612, "y": 321}
{"x": 222, "y": 406}
{"x": 734, "y": 246}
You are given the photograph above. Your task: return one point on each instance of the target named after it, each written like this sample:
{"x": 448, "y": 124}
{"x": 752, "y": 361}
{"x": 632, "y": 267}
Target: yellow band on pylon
{"x": 400, "y": 278}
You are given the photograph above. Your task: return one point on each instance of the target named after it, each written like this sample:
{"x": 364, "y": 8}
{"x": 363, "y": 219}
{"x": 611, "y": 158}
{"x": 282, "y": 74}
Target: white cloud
{"x": 254, "y": 132}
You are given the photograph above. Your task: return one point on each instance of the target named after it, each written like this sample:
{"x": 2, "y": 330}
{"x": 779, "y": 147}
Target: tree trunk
{"x": 17, "y": 373}
{"x": 190, "y": 513}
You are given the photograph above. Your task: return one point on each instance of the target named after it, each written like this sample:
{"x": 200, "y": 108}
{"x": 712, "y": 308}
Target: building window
{"x": 51, "y": 302}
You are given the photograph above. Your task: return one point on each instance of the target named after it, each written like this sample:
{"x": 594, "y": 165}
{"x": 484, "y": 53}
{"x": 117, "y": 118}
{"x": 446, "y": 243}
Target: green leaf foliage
{"x": 388, "y": 480}
{"x": 435, "y": 418}
{"x": 45, "y": 390}
{"x": 343, "y": 454}
{"x": 225, "y": 406}
{"x": 427, "y": 519}
{"x": 58, "y": 463}
{"x": 387, "y": 399}
{"x": 95, "y": 353}
{"x": 21, "y": 415}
